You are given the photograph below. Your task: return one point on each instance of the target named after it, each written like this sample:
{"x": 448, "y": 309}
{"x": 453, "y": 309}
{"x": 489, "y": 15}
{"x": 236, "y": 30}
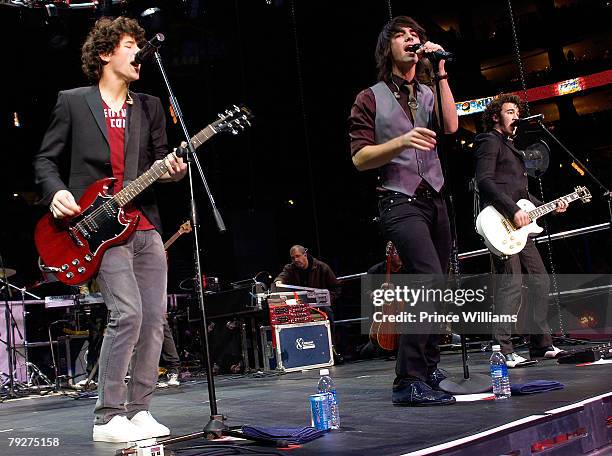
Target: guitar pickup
{"x": 74, "y": 237}
{"x": 85, "y": 233}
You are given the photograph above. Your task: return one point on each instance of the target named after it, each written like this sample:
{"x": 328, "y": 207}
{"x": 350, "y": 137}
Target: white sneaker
{"x": 161, "y": 384}
{"x": 516, "y": 360}
{"x": 119, "y": 429}
{"x": 173, "y": 379}
{"x": 81, "y": 384}
{"x": 149, "y": 425}
{"x": 554, "y": 352}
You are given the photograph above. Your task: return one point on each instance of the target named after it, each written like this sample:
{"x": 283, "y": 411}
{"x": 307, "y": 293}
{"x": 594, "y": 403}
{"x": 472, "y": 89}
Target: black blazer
{"x": 78, "y": 127}
{"x": 500, "y": 174}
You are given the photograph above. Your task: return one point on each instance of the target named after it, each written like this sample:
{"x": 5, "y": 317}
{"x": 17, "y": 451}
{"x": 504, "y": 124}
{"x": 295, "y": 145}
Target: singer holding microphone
{"x": 502, "y": 180}
{"x": 391, "y": 128}
{"x": 109, "y": 131}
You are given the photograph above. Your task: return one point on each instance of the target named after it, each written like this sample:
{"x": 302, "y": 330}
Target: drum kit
{"x": 5, "y": 273}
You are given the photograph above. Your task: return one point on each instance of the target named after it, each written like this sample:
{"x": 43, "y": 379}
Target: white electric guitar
{"x": 500, "y": 234}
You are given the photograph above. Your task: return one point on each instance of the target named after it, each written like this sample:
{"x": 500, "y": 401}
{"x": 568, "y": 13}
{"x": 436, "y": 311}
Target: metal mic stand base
{"x": 469, "y": 383}
{"x": 474, "y": 384}
{"x": 215, "y": 429}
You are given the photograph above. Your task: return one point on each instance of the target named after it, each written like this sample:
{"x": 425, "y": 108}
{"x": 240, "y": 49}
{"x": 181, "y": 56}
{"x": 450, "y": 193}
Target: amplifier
{"x": 299, "y": 346}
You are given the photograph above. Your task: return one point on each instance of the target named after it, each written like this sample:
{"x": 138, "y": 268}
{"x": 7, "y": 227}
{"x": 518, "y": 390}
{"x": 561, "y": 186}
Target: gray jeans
{"x": 132, "y": 280}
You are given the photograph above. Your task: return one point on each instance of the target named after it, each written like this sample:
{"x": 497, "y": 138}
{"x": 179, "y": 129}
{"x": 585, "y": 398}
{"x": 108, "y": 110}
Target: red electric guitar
{"x": 72, "y": 248}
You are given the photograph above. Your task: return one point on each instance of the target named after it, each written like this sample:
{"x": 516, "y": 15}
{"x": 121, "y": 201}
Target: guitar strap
{"x": 132, "y": 138}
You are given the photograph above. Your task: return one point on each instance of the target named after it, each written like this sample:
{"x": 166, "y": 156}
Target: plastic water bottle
{"x": 499, "y": 374}
{"x": 326, "y": 386}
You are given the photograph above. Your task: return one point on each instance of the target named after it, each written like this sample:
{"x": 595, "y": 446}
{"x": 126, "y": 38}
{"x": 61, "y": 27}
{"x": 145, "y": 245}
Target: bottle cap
{"x": 324, "y": 372}
{"x": 496, "y": 348}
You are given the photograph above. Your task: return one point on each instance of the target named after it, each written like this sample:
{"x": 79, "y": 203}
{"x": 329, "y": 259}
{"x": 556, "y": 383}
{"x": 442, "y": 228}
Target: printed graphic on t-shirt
{"x": 115, "y": 127}
{"x": 117, "y": 119}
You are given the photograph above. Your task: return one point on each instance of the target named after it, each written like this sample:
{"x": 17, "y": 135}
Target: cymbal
{"x": 9, "y": 273}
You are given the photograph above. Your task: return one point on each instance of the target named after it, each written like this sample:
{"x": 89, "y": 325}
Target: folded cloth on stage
{"x": 291, "y": 435}
{"x": 536, "y": 386}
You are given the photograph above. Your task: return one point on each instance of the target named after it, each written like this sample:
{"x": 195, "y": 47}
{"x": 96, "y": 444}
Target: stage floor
{"x": 370, "y": 424}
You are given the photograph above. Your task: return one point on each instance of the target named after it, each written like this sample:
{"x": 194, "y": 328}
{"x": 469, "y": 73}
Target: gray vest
{"x": 405, "y": 172}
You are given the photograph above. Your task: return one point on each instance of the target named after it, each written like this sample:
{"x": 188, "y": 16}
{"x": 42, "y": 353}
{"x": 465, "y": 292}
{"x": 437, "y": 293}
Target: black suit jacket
{"x": 78, "y": 127}
{"x": 501, "y": 174}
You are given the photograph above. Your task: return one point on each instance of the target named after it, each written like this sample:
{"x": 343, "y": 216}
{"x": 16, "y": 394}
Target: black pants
{"x": 169, "y": 356}
{"x": 419, "y": 228}
{"x": 508, "y": 296}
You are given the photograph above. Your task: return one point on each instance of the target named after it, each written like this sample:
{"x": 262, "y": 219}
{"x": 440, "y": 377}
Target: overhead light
{"x": 150, "y": 11}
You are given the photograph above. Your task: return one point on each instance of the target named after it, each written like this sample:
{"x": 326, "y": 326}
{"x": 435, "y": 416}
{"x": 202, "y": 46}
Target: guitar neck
{"x": 138, "y": 185}
{"x": 171, "y": 240}
{"x": 551, "y": 206}
{"x": 203, "y": 136}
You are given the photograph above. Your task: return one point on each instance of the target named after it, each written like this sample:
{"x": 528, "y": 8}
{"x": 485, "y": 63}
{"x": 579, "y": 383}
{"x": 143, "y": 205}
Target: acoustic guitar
{"x": 384, "y": 333}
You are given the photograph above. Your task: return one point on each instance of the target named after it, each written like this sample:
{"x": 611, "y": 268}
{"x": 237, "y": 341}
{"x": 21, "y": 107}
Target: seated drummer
{"x": 306, "y": 271}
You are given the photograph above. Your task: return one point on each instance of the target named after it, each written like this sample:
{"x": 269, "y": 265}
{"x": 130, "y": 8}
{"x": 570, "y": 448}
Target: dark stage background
{"x": 298, "y": 65}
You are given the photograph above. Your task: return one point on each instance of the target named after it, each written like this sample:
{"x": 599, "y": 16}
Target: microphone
{"x": 526, "y": 120}
{"x": 149, "y": 48}
{"x": 439, "y": 54}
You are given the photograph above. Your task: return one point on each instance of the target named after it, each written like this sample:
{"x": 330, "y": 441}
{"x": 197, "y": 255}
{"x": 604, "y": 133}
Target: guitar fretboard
{"x": 551, "y": 206}
{"x": 203, "y": 136}
{"x": 138, "y": 185}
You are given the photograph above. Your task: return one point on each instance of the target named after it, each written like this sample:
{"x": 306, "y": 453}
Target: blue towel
{"x": 291, "y": 435}
{"x": 535, "y": 386}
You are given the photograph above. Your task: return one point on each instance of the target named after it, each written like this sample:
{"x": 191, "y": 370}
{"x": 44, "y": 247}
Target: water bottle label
{"x": 499, "y": 371}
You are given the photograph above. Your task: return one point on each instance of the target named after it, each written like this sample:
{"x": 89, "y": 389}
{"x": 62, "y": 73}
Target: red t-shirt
{"x": 115, "y": 126}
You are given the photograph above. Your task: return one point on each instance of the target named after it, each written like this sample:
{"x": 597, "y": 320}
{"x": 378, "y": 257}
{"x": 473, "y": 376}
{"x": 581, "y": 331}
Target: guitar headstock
{"x": 185, "y": 227}
{"x": 390, "y": 249}
{"x": 583, "y": 193}
{"x": 235, "y": 120}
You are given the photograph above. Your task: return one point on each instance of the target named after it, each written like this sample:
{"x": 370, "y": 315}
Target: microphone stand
{"x": 216, "y": 424}
{"x": 216, "y": 427}
{"x": 606, "y": 192}
{"x": 469, "y": 383}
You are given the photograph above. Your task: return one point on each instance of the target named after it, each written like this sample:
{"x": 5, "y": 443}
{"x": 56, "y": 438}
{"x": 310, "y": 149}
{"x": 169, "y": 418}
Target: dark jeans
{"x": 419, "y": 228}
{"x": 508, "y": 296}
{"x": 132, "y": 280}
{"x": 169, "y": 356}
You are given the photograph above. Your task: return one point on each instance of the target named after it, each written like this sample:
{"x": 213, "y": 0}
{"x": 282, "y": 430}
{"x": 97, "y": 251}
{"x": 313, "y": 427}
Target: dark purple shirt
{"x": 363, "y": 112}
